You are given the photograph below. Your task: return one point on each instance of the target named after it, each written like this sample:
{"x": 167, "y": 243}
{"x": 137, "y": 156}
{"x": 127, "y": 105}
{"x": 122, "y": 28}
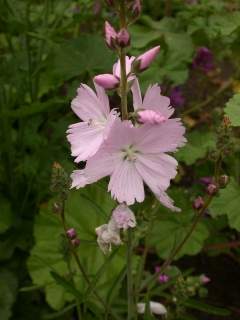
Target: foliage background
{"x": 47, "y": 48}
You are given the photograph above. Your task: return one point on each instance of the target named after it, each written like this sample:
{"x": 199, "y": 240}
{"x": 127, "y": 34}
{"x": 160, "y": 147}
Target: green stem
{"x": 129, "y": 276}
{"x": 124, "y": 111}
{"x": 123, "y": 82}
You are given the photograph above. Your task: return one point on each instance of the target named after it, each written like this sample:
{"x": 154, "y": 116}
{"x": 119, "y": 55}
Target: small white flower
{"x": 155, "y": 307}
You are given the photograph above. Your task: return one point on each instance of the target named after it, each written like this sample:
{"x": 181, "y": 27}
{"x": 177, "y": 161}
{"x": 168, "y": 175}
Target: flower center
{"x": 129, "y": 153}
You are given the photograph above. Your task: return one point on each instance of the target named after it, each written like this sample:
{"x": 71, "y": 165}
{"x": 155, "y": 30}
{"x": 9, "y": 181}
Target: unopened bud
{"x": 107, "y": 81}
{"x": 223, "y": 180}
{"x": 204, "y": 279}
{"x": 137, "y": 8}
{"x": 75, "y": 242}
{"x": 142, "y": 62}
{"x": 212, "y": 189}
{"x": 198, "y": 203}
{"x": 110, "y": 35}
{"x": 123, "y": 38}
{"x": 110, "y": 2}
{"x": 71, "y": 233}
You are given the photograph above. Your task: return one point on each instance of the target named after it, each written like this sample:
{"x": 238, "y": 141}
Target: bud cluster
{"x": 72, "y": 236}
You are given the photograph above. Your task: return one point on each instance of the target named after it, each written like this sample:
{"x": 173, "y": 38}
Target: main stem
{"x": 124, "y": 112}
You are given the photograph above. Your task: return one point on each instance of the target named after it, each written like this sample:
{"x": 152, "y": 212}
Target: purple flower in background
{"x": 176, "y": 97}
{"x": 162, "y": 278}
{"x": 203, "y": 59}
{"x": 204, "y": 279}
{"x": 206, "y": 180}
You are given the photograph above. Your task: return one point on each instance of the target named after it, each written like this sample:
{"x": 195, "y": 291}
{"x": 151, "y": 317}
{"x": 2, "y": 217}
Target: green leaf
{"x": 73, "y": 58}
{"x": 48, "y": 255}
{"x": 6, "y": 216}
{"x": 197, "y": 305}
{"x": 227, "y": 203}
{"x": 8, "y": 290}
{"x": 170, "y": 229}
{"x": 198, "y": 145}
{"x": 232, "y": 110}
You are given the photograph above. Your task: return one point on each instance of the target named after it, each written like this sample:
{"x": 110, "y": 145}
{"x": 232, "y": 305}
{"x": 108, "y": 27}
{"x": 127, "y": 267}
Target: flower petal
{"x": 126, "y": 185}
{"x": 153, "y": 100}
{"x": 167, "y": 137}
{"x": 85, "y": 140}
{"x": 87, "y": 105}
{"x": 137, "y": 96}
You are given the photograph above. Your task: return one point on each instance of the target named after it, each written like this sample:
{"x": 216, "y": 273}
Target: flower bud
{"x": 123, "y": 217}
{"x": 110, "y": 35}
{"x": 212, "y": 189}
{"x": 223, "y": 180}
{"x": 110, "y": 2}
{"x": 155, "y": 308}
{"x": 75, "y": 242}
{"x": 143, "y": 61}
{"x": 71, "y": 233}
{"x": 107, "y": 81}
{"x": 151, "y": 117}
{"x": 198, "y": 203}
{"x": 204, "y": 279}
{"x": 123, "y": 38}
{"x": 137, "y": 8}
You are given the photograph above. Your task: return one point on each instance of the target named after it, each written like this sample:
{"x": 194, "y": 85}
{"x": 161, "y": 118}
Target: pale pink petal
{"x": 99, "y": 166}
{"x": 85, "y": 140}
{"x": 167, "y": 201}
{"x": 153, "y": 100}
{"x": 167, "y": 137}
{"x": 102, "y": 96}
{"x": 117, "y": 67}
{"x": 126, "y": 185}
{"x": 78, "y": 179}
{"x": 156, "y": 170}
{"x": 87, "y": 105}
{"x": 137, "y": 96}
{"x": 113, "y": 115}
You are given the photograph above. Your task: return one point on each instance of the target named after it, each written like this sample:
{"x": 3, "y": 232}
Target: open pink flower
{"x": 132, "y": 156}
{"x": 154, "y": 108}
{"x": 86, "y": 137}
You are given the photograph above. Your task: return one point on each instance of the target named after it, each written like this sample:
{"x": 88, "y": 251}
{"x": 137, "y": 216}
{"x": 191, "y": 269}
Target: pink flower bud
{"x": 110, "y": 2}
{"x": 123, "y": 217}
{"x": 71, "y": 233}
{"x": 75, "y": 242}
{"x": 107, "y": 81}
{"x": 123, "y": 38}
{"x": 163, "y": 278}
{"x": 204, "y": 279}
{"x": 151, "y": 117}
{"x": 198, "y": 203}
{"x": 110, "y": 35}
{"x": 212, "y": 189}
{"x": 137, "y": 8}
{"x": 147, "y": 58}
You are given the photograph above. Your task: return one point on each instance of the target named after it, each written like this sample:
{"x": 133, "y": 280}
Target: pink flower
{"x": 86, "y": 137}
{"x": 71, "y": 233}
{"x": 132, "y": 156}
{"x": 110, "y": 35}
{"x": 123, "y": 217}
{"x": 147, "y": 58}
{"x": 204, "y": 279}
{"x": 153, "y": 101}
